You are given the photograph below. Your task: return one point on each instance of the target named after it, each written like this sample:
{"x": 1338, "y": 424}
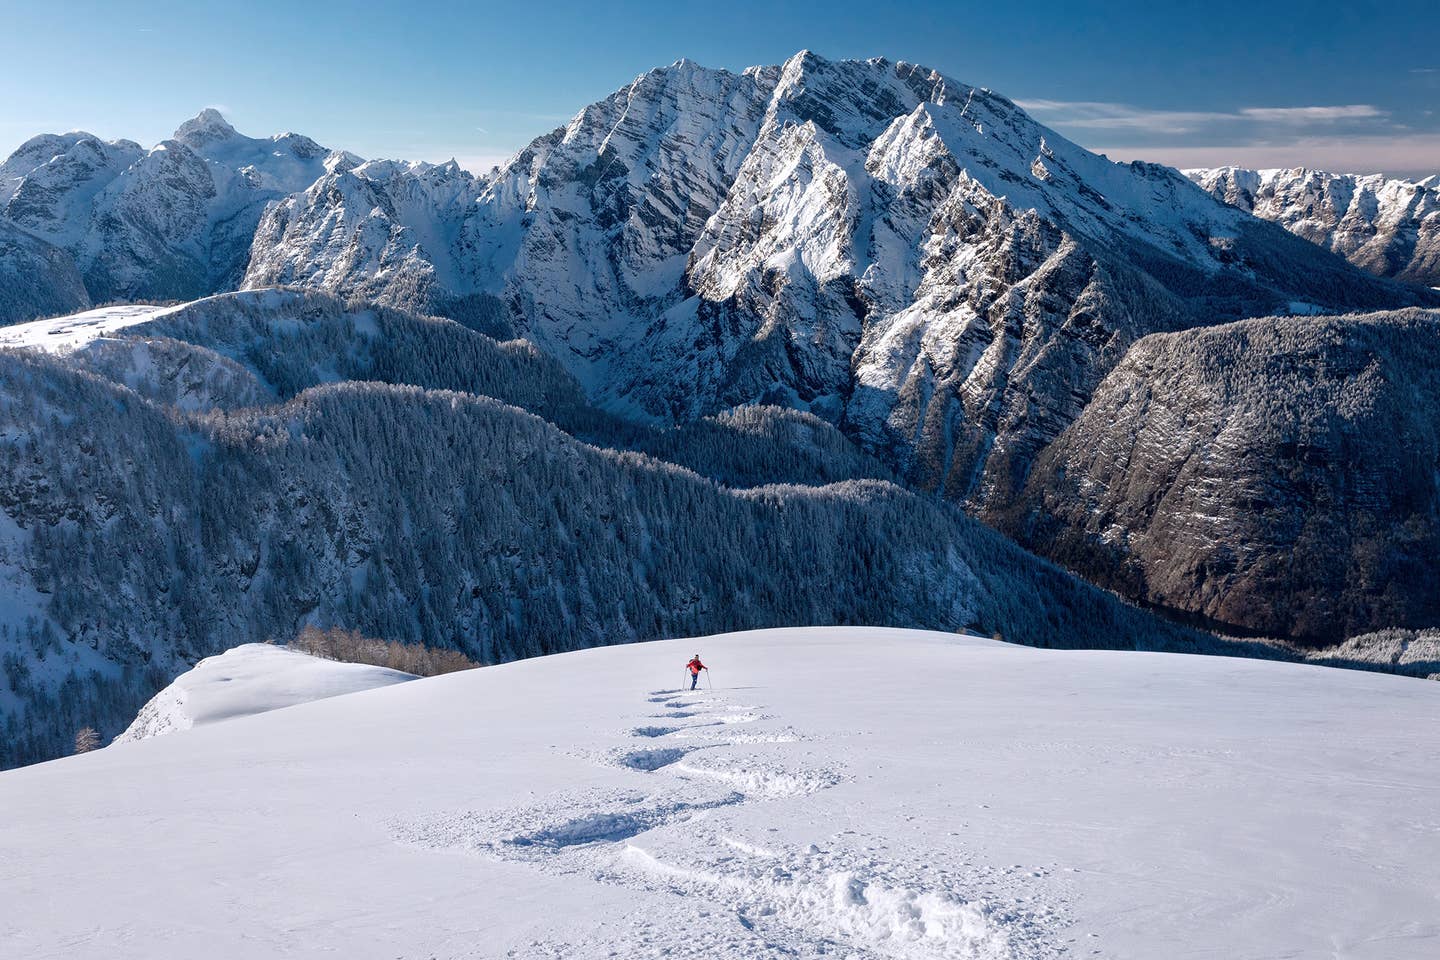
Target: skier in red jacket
{"x": 695, "y": 666}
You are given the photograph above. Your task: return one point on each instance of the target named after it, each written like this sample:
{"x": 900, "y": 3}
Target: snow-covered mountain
{"x": 1389, "y": 227}
{"x": 172, "y": 222}
{"x": 905, "y": 255}
{"x": 249, "y": 679}
{"x": 178, "y": 480}
{"x": 1275, "y": 475}
{"x": 861, "y": 793}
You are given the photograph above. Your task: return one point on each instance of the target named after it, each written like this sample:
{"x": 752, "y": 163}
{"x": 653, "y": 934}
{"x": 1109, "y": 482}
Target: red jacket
{"x": 696, "y": 666}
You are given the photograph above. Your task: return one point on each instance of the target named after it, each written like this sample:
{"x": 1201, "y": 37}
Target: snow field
{"x": 775, "y": 902}
{"x": 898, "y": 795}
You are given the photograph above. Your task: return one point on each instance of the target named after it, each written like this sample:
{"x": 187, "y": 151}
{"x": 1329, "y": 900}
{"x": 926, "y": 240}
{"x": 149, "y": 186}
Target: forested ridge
{"x": 224, "y": 475}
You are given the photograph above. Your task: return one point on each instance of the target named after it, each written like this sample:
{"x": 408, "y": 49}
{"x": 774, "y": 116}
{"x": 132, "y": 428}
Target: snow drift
{"x": 248, "y": 679}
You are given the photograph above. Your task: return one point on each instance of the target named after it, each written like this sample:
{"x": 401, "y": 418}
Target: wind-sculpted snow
{"x": 249, "y": 679}
{"x": 155, "y": 517}
{"x": 1386, "y": 226}
{"x": 1275, "y": 476}
{"x": 784, "y": 901}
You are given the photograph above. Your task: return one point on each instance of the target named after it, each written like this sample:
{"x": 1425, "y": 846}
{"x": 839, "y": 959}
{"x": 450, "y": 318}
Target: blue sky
{"x": 1347, "y": 86}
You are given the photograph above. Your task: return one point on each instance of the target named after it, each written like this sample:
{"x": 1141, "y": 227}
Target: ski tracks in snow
{"x": 723, "y": 895}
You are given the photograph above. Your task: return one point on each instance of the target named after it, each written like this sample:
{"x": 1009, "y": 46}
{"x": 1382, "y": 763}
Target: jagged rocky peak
{"x": 204, "y": 128}
{"x": 906, "y": 255}
{"x": 209, "y": 134}
{"x": 172, "y": 222}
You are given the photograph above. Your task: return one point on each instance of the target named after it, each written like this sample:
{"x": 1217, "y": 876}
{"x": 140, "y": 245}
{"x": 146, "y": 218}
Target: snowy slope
{"x": 249, "y": 679}
{"x": 63, "y": 334}
{"x": 1274, "y": 475}
{"x": 845, "y": 792}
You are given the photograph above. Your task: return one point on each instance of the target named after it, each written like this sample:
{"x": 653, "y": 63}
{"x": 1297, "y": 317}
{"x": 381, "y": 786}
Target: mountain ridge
{"x": 899, "y": 253}
{"x": 171, "y": 222}
{"x": 1387, "y": 226}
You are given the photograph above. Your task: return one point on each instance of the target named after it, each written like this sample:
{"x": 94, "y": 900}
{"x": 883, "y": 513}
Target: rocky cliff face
{"x": 904, "y": 255}
{"x": 1279, "y": 476}
{"x": 1388, "y": 227}
{"x": 172, "y": 222}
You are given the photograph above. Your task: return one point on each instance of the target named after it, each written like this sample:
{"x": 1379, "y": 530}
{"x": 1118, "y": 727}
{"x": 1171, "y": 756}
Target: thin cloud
{"x": 1098, "y": 115}
{"x": 1413, "y": 155}
{"x": 1357, "y": 111}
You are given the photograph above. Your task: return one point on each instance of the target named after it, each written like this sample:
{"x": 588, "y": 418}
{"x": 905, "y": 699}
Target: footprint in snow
{"x": 564, "y": 822}
{"x": 811, "y": 902}
{"x": 655, "y": 731}
{"x": 650, "y": 760}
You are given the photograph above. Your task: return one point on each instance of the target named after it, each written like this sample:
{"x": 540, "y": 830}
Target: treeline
{"x": 351, "y": 646}
{"x": 267, "y": 346}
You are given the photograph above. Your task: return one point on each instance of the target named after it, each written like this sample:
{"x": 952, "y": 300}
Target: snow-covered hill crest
{"x": 249, "y": 679}
{"x": 846, "y": 792}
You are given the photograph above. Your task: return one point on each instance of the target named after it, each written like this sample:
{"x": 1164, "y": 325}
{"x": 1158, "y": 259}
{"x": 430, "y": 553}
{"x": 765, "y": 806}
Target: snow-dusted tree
{"x": 86, "y": 739}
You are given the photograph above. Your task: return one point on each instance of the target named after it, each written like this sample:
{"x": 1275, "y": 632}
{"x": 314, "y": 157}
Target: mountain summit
{"x": 173, "y": 222}
{"x": 204, "y": 128}
{"x": 908, "y": 256}
{"x": 1386, "y": 226}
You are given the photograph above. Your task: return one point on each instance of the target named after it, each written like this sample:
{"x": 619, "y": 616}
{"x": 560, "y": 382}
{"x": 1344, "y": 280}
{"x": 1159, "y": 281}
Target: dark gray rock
{"x": 1279, "y": 476}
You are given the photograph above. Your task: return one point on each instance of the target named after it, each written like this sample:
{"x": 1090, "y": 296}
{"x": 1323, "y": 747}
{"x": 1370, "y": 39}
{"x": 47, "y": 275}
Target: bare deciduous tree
{"x": 350, "y": 646}
{"x": 86, "y": 739}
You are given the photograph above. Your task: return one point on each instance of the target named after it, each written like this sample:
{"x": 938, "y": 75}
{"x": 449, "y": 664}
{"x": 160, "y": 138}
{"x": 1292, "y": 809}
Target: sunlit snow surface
{"x": 63, "y": 334}
{"x": 73, "y": 331}
{"x": 840, "y": 793}
{"x": 252, "y": 678}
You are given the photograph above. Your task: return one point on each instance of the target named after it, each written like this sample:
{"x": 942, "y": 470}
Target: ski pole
{"x": 708, "y": 682}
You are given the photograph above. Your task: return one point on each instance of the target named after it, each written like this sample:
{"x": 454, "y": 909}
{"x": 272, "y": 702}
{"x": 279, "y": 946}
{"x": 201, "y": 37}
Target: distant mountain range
{"x": 824, "y": 272}
{"x": 173, "y": 222}
{"x": 1389, "y": 227}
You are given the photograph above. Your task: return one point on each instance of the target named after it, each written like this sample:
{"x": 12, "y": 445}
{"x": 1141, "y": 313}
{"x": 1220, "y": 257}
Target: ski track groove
{"x": 773, "y": 902}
